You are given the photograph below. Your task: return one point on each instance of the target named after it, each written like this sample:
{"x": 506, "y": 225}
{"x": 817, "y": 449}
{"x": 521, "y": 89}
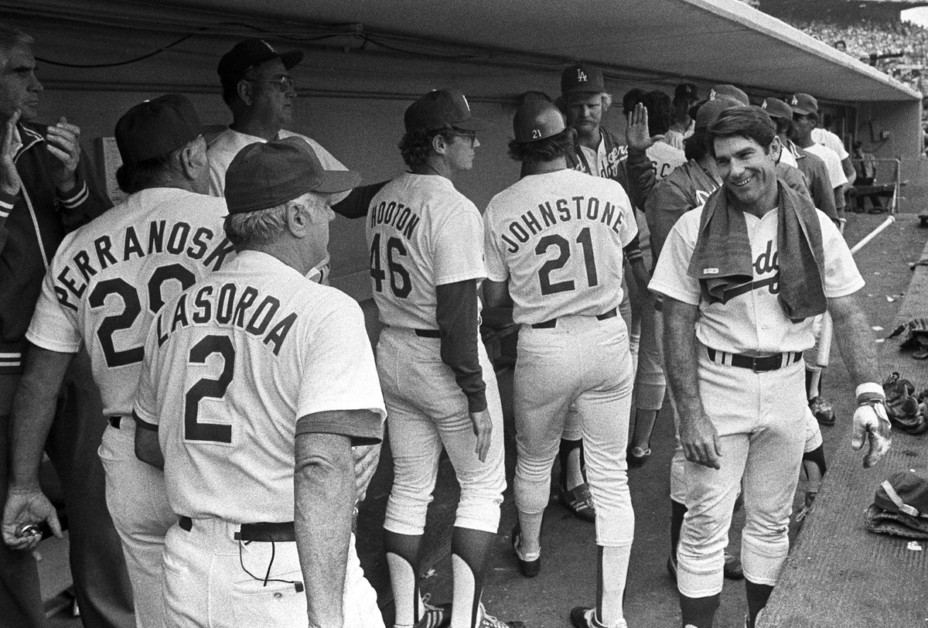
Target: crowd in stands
{"x": 898, "y": 48}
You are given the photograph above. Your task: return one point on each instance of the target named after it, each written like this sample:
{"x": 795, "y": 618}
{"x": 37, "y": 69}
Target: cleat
{"x": 732, "y": 568}
{"x": 822, "y": 410}
{"x": 528, "y": 568}
{"x": 435, "y": 617}
{"x": 579, "y": 501}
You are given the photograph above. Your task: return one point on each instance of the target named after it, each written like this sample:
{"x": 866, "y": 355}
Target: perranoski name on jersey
{"x": 562, "y": 210}
{"x": 176, "y": 241}
{"x": 229, "y": 305}
{"x": 397, "y": 215}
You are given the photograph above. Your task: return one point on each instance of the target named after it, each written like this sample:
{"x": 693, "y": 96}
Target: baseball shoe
{"x": 732, "y": 568}
{"x": 583, "y": 617}
{"x": 488, "y": 621}
{"x": 435, "y": 617}
{"x": 579, "y": 501}
{"x": 822, "y": 410}
{"x": 528, "y": 568}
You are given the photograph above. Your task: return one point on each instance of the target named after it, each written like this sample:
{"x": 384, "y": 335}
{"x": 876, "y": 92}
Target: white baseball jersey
{"x": 422, "y": 233}
{"x": 751, "y": 320}
{"x": 558, "y": 239}
{"x": 832, "y": 164}
{"x": 832, "y": 141}
{"x": 110, "y": 277}
{"x": 231, "y": 365}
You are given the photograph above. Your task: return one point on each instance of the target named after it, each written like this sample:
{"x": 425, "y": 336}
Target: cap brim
{"x": 800, "y": 110}
{"x": 474, "y": 125}
{"x": 291, "y": 58}
{"x": 334, "y": 181}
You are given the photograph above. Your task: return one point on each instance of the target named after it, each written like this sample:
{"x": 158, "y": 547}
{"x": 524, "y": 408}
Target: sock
{"x": 758, "y": 594}
{"x": 530, "y": 531}
{"x": 469, "y": 549}
{"x": 698, "y": 611}
{"x": 571, "y": 454}
{"x": 677, "y": 510}
{"x": 612, "y": 571}
{"x": 814, "y": 381}
{"x": 403, "y": 560}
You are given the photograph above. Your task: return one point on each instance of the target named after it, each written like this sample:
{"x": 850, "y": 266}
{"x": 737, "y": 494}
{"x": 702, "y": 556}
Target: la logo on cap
{"x": 763, "y": 105}
{"x": 581, "y": 76}
{"x": 711, "y": 94}
{"x": 794, "y": 101}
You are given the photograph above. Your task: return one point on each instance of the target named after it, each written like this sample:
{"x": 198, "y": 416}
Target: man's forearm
{"x": 680, "y": 351}
{"x": 855, "y": 339}
{"x": 324, "y": 485}
{"x": 34, "y": 412}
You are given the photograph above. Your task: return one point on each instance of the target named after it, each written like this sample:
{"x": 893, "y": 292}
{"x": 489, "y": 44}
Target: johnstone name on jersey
{"x": 136, "y": 244}
{"x": 229, "y": 305}
{"x": 401, "y": 217}
{"x": 551, "y": 213}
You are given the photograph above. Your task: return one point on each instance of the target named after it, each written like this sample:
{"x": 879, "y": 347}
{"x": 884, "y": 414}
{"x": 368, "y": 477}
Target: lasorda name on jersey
{"x": 562, "y": 210}
{"x": 230, "y": 305}
{"x": 397, "y": 215}
{"x": 72, "y": 281}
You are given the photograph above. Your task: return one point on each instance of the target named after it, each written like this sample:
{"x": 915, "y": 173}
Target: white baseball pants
{"x": 760, "y": 418}
{"x": 427, "y": 411}
{"x": 138, "y": 504}
{"x": 585, "y": 362}
{"x": 205, "y": 582}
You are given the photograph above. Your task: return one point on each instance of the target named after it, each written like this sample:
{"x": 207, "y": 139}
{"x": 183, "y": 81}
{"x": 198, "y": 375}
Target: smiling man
{"x": 742, "y": 279}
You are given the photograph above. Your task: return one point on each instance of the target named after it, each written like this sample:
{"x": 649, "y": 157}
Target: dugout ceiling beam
{"x": 658, "y": 40}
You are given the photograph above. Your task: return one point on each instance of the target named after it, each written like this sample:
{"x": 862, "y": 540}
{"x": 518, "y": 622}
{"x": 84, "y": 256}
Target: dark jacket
{"x": 32, "y": 225}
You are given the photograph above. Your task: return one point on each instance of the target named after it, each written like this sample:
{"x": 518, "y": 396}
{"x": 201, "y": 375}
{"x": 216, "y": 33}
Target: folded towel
{"x": 722, "y": 257}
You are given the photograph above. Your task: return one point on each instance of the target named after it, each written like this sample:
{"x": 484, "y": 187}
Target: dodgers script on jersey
{"x": 750, "y": 320}
{"x": 110, "y": 278}
{"x": 231, "y": 365}
{"x": 564, "y": 253}
{"x": 422, "y": 233}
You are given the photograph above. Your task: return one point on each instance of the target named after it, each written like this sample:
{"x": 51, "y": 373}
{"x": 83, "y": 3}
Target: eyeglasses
{"x": 283, "y": 83}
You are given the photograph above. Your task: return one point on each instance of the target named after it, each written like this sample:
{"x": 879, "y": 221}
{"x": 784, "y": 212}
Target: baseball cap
{"x": 730, "y": 91}
{"x": 580, "y": 78}
{"x": 685, "y": 91}
{"x": 710, "y": 110}
{"x": 156, "y": 127}
{"x": 264, "y": 175}
{"x": 537, "y": 119}
{"x": 249, "y": 53}
{"x": 776, "y": 108}
{"x": 804, "y": 104}
{"x": 439, "y": 109}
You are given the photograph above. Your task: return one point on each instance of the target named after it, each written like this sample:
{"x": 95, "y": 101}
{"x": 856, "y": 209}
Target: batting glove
{"x": 871, "y": 423}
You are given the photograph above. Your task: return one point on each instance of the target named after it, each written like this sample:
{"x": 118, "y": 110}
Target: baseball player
{"x": 805, "y": 117}
{"x": 742, "y": 279}
{"x": 260, "y": 92}
{"x": 256, "y": 384}
{"x": 102, "y": 290}
{"x": 426, "y": 262}
{"x": 554, "y": 245}
{"x": 598, "y": 152}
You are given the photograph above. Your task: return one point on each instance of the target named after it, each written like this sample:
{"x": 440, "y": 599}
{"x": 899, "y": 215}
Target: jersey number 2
{"x": 400, "y": 283}
{"x": 209, "y": 388}
{"x": 585, "y": 240}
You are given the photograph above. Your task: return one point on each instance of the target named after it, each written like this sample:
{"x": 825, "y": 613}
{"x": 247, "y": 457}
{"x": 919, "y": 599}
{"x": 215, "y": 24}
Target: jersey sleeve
{"x": 670, "y": 277}
{"x": 52, "y": 327}
{"x": 841, "y": 276}
{"x": 145, "y": 408}
{"x": 339, "y": 374}
{"x": 457, "y": 250}
{"x": 496, "y": 266}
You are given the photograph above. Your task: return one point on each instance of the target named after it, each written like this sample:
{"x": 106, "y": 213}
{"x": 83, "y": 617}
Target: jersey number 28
{"x": 562, "y": 245}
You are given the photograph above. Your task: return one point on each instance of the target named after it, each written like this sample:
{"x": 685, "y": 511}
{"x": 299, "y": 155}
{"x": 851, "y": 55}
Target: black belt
{"x": 428, "y": 333}
{"x": 114, "y": 421}
{"x": 260, "y": 532}
{"x": 553, "y": 322}
{"x": 758, "y": 364}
